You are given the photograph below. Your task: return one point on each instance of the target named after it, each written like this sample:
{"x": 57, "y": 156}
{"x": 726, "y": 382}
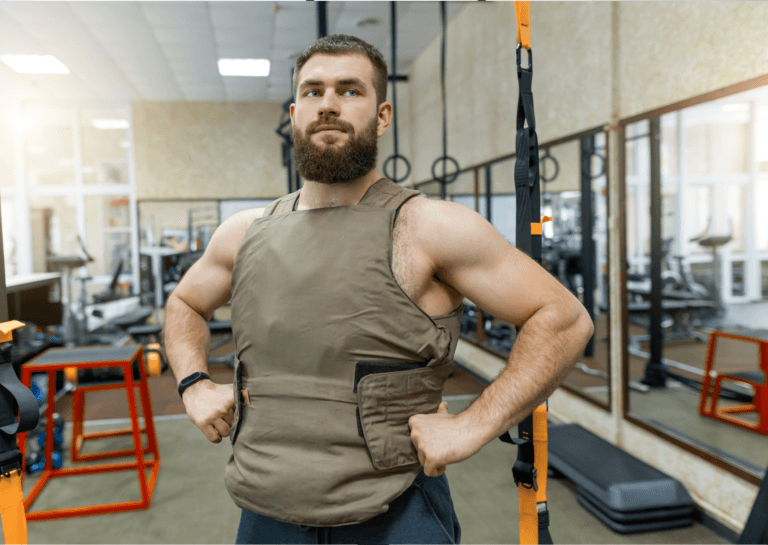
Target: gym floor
{"x": 191, "y": 504}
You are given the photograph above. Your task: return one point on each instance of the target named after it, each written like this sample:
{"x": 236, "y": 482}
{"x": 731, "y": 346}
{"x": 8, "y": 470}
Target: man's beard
{"x": 331, "y": 164}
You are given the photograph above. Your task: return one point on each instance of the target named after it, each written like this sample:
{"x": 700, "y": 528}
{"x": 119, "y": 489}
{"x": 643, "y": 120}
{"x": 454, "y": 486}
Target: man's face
{"x": 336, "y": 121}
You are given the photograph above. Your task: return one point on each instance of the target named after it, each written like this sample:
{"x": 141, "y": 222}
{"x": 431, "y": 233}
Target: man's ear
{"x": 385, "y": 118}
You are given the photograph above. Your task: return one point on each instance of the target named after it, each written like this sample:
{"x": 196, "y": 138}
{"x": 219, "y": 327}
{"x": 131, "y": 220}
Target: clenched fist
{"x": 442, "y": 438}
{"x": 210, "y": 407}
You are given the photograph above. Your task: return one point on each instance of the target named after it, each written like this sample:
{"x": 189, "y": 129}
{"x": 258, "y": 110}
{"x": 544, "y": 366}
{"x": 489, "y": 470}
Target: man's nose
{"x": 330, "y": 104}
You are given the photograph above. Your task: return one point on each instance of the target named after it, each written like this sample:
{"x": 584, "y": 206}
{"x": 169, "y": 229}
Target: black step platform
{"x": 639, "y": 523}
{"x": 625, "y": 493}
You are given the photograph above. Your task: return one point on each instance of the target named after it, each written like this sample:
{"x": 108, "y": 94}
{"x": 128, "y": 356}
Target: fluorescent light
{"x": 35, "y": 64}
{"x": 736, "y": 107}
{"x": 105, "y": 124}
{"x": 244, "y": 67}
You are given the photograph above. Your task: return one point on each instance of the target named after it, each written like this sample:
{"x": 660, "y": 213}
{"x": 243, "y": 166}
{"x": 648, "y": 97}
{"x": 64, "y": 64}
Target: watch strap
{"x": 186, "y": 382}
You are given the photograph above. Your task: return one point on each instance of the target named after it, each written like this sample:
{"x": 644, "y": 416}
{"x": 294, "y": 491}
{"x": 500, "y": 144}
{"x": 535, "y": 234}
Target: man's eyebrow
{"x": 345, "y": 81}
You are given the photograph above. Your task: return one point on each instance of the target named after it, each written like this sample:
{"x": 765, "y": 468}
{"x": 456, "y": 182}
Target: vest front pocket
{"x": 386, "y": 401}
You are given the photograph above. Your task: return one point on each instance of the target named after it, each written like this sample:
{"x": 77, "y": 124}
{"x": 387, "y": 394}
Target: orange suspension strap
{"x": 13, "y": 397}
{"x": 530, "y": 469}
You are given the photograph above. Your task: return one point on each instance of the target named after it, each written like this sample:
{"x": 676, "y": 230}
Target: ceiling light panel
{"x": 244, "y": 67}
{"x": 35, "y": 64}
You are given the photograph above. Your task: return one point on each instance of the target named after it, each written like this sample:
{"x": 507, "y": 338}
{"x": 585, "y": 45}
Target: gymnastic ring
{"x": 602, "y": 161}
{"x": 541, "y": 164}
{"x": 445, "y": 179}
{"x": 395, "y": 158}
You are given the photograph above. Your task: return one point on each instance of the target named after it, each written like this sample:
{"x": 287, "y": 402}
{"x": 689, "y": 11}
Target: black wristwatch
{"x": 190, "y": 380}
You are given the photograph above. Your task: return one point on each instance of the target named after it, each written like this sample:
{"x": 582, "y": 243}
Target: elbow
{"x": 585, "y": 324}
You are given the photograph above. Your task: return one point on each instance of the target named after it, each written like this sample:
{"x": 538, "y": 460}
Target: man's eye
{"x": 351, "y": 91}
{"x": 309, "y": 93}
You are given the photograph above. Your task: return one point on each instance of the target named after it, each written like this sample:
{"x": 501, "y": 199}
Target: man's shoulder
{"x": 432, "y": 214}
{"x": 438, "y": 227}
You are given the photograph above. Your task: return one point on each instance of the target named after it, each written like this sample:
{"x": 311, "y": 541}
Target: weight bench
{"x": 623, "y": 492}
{"x": 676, "y": 309}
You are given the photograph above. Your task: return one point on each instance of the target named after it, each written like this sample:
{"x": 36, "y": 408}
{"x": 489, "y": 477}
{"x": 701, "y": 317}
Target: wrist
{"x": 192, "y": 381}
{"x": 476, "y": 431}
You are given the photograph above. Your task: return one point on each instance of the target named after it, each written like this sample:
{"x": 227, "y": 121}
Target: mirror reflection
{"x": 697, "y": 288}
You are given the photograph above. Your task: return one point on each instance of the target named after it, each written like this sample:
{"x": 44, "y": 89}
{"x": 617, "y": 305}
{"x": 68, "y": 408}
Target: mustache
{"x": 329, "y": 122}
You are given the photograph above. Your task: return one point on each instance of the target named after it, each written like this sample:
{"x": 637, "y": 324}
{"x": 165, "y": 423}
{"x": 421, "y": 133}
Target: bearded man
{"x": 346, "y": 300}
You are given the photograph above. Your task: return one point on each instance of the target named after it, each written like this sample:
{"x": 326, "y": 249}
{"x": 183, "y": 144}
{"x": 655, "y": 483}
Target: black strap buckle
{"x": 525, "y": 474}
{"x": 10, "y": 461}
{"x": 524, "y": 471}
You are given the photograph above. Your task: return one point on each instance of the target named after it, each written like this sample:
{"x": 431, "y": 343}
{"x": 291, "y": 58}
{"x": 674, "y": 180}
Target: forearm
{"x": 545, "y": 350}
{"x": 187, "y": 339}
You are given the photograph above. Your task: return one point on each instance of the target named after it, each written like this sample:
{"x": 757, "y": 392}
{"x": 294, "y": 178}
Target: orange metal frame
{"x": 147, "y": 485}
{"x": 760, "y": 401}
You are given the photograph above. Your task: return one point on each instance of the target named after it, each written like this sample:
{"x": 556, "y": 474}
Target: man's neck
{"x": 317, "y": 195}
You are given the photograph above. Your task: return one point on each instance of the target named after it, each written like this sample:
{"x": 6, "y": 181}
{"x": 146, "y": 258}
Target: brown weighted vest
{"x": 333, "y": 358}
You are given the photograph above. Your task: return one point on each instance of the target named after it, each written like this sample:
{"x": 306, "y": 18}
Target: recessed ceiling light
{"x": 244, "y": 67}
{"x": 35, "y": 64}
{"x": 106, "y": 124}
{"x": 368, "y": 22}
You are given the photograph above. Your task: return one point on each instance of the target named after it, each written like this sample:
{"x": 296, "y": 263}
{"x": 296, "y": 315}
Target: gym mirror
{"x": 696, "y": 186}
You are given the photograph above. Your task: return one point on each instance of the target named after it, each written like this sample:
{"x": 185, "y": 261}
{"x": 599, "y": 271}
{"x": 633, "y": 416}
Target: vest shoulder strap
{"x": 387, "y": 194}
{"x": 282, "y": 205}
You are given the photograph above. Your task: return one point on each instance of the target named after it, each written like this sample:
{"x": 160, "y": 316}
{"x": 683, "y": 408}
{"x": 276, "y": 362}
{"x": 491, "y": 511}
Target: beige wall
{"x": 481, "y": 81}
{"x": 670, "y": 51}
{"x": 204, "y": 150}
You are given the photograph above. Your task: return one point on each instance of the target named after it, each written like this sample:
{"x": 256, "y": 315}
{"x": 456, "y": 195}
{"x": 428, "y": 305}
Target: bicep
{"x": 470, "y": 255}
{"x": 206, "y": 285}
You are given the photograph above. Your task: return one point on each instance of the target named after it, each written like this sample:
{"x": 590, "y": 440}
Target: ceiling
{"x": 168, "y": 51}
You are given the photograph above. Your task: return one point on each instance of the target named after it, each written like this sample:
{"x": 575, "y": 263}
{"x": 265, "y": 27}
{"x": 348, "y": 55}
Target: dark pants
{"x": 422, "y": 514}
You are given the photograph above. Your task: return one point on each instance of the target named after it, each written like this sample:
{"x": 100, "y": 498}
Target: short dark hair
{"x": 342, "y": 44}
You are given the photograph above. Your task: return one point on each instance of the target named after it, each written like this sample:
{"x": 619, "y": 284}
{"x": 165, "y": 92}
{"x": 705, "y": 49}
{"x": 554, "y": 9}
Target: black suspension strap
{"x": 530, "y": 469}
{"x": 396, "y": 155}
{"x": 444, "y": 177}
